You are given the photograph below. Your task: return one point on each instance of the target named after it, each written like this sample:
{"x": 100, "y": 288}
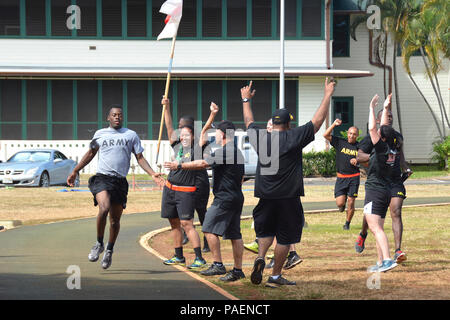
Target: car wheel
{"x": 45, "y": 180}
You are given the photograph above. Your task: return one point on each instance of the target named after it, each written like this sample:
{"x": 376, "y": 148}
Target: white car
{"x": 37, "y": 167}
{"x": 249, "y": 153}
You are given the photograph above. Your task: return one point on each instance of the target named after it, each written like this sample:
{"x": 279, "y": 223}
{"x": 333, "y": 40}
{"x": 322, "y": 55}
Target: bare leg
{"x": 281, "y": 251}
{"x": 188, "y": 226}
{"x": 397, "y": 223}
{"x": 350, "y": 208}
{"x": 376, "y": 226}
{"x": 176, "y": 232}
{"x": 340, "y": 202}
{"x": 104, "y": 205}
{"x": 238, "y": 251}
{"x": 214, "y": 245}
{"x": 114, "y": 222}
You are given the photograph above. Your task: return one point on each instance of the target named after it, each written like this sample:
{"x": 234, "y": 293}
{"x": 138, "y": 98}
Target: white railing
{"x": 75, "y": 149}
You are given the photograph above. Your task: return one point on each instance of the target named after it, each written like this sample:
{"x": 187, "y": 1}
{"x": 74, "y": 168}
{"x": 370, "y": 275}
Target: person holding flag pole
{"x": 178, "y": 199}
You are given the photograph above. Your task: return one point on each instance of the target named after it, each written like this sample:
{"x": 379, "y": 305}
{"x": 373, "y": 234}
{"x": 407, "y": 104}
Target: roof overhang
{"x": 179, "y": 73}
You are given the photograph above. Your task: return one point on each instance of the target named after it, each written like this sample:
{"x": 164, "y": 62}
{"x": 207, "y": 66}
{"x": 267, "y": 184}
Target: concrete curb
{"x": 144, "y": 243}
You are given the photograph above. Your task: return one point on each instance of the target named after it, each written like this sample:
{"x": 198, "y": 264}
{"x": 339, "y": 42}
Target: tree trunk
{"x": 428, "y": 105}
{"x": 428, "y": 69}
{"x": 442, "y": 100}
{"x": 397, "y": 99}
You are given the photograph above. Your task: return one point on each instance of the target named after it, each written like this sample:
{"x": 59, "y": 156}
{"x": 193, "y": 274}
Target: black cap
{"x": 225, "y": 125}
{"x": 281, "y": 116}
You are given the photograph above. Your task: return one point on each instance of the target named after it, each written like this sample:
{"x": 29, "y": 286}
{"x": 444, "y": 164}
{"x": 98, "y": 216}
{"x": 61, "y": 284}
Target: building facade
{"x": 57, "y": 81}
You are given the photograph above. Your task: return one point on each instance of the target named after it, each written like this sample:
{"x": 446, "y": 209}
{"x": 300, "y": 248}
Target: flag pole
{"x": 281, "y": 95}
{"x": 166, "y": 93}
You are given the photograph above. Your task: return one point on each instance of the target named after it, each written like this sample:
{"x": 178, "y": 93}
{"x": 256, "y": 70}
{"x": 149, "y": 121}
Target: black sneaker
{"x": 233, "y": 275}
{"x": 292, "y": 261}
{"x": 346, "y": 227}
{"x": 214, "y": 270}
{"x": 258, "y": 269}
{"x": 272, "y": 283}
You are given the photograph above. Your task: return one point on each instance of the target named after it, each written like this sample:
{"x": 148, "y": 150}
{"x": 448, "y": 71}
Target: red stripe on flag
{"x": 167, "y": 19}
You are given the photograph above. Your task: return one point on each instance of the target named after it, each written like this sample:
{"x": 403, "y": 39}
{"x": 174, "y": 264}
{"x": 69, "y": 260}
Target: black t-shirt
{"x": 227, "y": 165}
{"x": 182, "y": 177}
{"x": 279, "y": 173}
{"x": 381, "y": 166}
{"x": 345, "y": 151}
{"x": 367, "y": 146}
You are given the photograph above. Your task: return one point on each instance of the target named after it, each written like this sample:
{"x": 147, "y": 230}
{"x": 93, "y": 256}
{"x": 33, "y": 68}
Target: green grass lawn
{"x": 331, "y": 269}
{"x": 428, "y": 171}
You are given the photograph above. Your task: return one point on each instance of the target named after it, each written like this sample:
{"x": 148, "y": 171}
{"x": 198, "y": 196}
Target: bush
{"x": 321, "y": 163}
{"x": 441, "y": 150}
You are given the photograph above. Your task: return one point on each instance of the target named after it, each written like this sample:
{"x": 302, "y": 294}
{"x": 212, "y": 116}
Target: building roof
{"x": 146, "y": 73}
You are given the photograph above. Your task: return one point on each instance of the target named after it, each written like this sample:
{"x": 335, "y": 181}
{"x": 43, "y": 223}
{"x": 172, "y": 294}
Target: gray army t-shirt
{"x": 115, "y": 148}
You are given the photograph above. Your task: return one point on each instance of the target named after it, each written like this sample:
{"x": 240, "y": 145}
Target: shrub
{"x": 321, "y": 163}
{"x": 441, "y": 151}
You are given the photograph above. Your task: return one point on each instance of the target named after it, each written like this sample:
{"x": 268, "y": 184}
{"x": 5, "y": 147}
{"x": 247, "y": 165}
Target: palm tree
{"x": 394, "y": 15}
{"x": 427, "y": 32}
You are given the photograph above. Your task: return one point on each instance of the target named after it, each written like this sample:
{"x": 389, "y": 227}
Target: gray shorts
{"x": 223, "y": 222}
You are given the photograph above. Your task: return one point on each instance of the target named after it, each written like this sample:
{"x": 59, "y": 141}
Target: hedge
{"x": 321, "y": 163}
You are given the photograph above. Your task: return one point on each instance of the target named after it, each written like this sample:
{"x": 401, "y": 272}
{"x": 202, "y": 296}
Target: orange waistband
{"x": 340, "y": 175}
{"x": 180, "y": 188}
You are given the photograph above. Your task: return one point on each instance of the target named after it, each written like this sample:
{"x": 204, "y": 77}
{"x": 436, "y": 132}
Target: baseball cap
{"x": 281, "y": 116}
{"x": 225, "y": 125}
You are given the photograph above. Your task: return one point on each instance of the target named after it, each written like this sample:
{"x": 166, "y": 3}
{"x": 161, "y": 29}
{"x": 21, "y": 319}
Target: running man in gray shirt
{"x": 109, "y": 186}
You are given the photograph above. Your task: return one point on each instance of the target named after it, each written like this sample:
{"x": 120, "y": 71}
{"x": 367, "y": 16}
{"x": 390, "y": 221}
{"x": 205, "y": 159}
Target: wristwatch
{"x": 179, "y": 166}
{"x": 245, "y": 100}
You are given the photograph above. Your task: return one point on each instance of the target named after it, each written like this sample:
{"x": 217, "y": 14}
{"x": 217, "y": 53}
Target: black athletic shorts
{"x": 201, "y": 195}
{"x": 377, "y": 202}
{"x": 116, "y": 187}
{"x": 398, "y": 190}
{"x": 280, "y": 218}
{"x": 177, "y": 204}
{"x": 223, "y": 222}
{"x": 346, "y": 186}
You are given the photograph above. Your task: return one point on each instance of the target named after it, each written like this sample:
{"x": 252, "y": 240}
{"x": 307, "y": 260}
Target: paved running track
{"x": 34, "y": 260}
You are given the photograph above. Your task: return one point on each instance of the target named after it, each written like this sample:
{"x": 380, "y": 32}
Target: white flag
{"x": 174, "y": 10}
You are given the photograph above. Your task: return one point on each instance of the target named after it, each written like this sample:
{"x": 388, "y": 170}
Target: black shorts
{"x": 201, "y": 195}
{"x": 377, "y": 202}
{"x": 398, "y": 190}
{"x": 177, "y": 204}
{"x": 346, "y": 186}
{"x": 223, "y": 222}
{"x": 116, "y": 187}
{"x": 280, "y": 218}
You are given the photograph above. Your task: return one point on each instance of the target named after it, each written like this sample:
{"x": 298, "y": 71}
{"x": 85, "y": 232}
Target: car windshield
{"x": 30, "y": 156}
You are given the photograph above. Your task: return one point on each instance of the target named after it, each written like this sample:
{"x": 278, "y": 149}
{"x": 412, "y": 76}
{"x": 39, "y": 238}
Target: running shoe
{"x": 374, "y": 268}
{"x": 233, "y": 275}
{"x": 258, "y": 269}
{"x": 387, "y": 265}
{"x": 399, "y": 256}
{"x": 197, "y": 264}
{"x": 292, "y": 261}
{"x": 346, "y": 227}
{"x": 214, "y": 270}
{"x": 359, "y": 245}
{"x": 96, "y": 250}
{"x": 253, "y": 246}
{"x": 175, "y": 261}
{"x": 107, "y": 259}
{"x": 276, "y": 283}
